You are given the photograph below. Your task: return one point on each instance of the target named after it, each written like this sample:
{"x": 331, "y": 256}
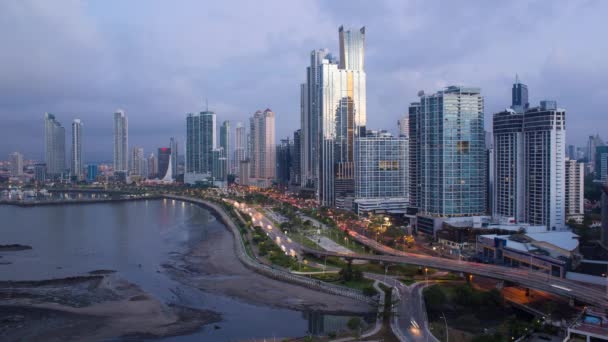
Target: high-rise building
{"x": 404, "y": 126}
{"x": 121, "y": 142}
{"x": 164, "y": 158}
{"x": 16, "y": 160}
{"x": 152, "y": 166}
{"x": 296, "y": 176}
{"x": 575, "y": 175}
{"x": 452, "y": 154}
{"x": 381, "y": 180}
{"x": 174, "y": 156}
{"x": 592, "y": 144}
{"x": 544, "y": 154}
{"x": 200, "y": 143}
{"x": 40, "y": 172}
{"x": 509, "y": 165}
{"x": 219, "y": 171}
{"x": 263, "y": 156}
{"x": 225, "y": 143}
{"x": 138, "y": 161}
{"x": 414, "y": 155}
{"x": 601, "y": 163}
{"x": 91, "y": 173}
{"x": 571, "y": 152}
{"x": 284, "y": 162}
{"x": 342, "y": 119}
{"x": 310, "y": 114}
{"x": 519, "y": 96}
{"x": 244, "y": 169}
{"x": 604, "y": 203}
{"x": 54, "y": 135}
{"x": 76, "y": 160}
{"x": 240, "y": 146}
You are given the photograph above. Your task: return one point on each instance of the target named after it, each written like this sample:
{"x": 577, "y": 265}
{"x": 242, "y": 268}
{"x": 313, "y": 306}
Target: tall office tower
{"x": 452, "y": 163}
{"x": 244, "y": 169}
{"x": 404, "y": 126}
{"x": 16, "y": 159}
{"x": 164, "y": 158}
{"x": 40, "y": 172}
{"x": 509, "y": 167}
{"x": 604, "y": 203}
{"x": 571, "y": 152}
{"x": 296, "y": 176}
{"x": 121, "y": 142}
{"x": 200, "y": 143}
{"x": 544, "y": 145}
{"x": 263, "y": 157}
{"x": 414, "y": 156}
{"x": 226, "y": 144}
{"x": 381, "y": 180}
{"x": 76, "y": 160}
{"x": 601, "y": 163}
{"x": 310, "y": 113}
{"x": 91, "y": 173}
{"x": 489, "y": 172}
{"x": 575, "y": 175}
{"x": 343, "y": 118}
{"x": 174, "y": 156}
{"x": 284, "y": 162}
{"x": 54, "y": 135}
{"x": 352, "y": 48}
{"x": 240, "y": 146}
{"x": 152, "y": 166}
{"x": 138, "y": 161}
{"x": 519, "y": 96}
{"x": 219, "y": 164}
{"x": 592, "y": 144}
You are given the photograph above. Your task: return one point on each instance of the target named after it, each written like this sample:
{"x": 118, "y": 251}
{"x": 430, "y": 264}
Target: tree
{"x": 354, "y": 323}
{"x": 434, "y": 297}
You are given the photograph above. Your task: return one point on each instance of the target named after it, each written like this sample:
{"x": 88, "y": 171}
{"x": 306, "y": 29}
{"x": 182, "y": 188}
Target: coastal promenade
{"x": 35, "y": 203}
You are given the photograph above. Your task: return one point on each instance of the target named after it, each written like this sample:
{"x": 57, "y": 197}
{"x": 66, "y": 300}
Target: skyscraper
{"x": 592, "y": 144}
{"x": 381, "y": 180}
{"x": 174, "y": 156}
{"x": 138, "y": 161}
{"x": 200, "y": 143}
{"x": 601, "y": 163}
{"x": 342, "y": 118}
{"x": 284, "y": 162}
{"x": 451, "y": 143}
{"x": 296, "y": 177}
{"x": 575, "y": 174}
{"x": 152, "y": 166}
{"x": 121, "y": 142}
{"x": 76, "y": 160}
{"x": 544, "y": 153}
{"x": 240, "y": 146}
{"x": 263, "y": 156}
{"x": 509, "y": 165}
{"x": 519, "y": 96}
{"x": 225, "y": 143}
{"x": 16, "y": 159}
{"x": 164, "y": 158}
{"x": 219, "y": 164}
{"x": 310, "y": 114}
{"x": 91, "y": 173}
{"x": 404, "y": 126}
{"x": 54, "y": 135}
{"x": 414, "y": 155}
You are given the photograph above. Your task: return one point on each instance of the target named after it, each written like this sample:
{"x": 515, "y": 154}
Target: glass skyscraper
{"x": 452, "y": 155}
{"x": 342, "y": 118}
{"x": 519, "y": 96}
{"x": 76, "y": 154}
{"x": 200, "y": 143}
{"x": 54, "y": 135}
{"x": 225, "y": 143}
{"x": 121, "y": 142}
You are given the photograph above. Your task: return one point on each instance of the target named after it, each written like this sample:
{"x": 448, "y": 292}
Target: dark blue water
{"x": 135, "y": 239}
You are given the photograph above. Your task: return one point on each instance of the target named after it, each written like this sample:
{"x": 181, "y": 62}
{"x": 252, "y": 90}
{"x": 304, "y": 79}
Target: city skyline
{"x": 554, "y": 72}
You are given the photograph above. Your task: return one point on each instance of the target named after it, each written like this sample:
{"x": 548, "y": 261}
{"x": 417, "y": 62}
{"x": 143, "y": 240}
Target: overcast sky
{"x": 158, "y": 60}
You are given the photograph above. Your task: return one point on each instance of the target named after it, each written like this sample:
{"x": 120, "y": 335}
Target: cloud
{"x": 160, "y": 60}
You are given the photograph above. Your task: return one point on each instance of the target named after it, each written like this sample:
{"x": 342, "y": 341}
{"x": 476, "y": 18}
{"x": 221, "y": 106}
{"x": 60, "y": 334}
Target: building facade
{"x": 200, "y": 143}
{"x": 174, "y": 157}
{"x": 601, "y": 163}
{"x": 262, "y": 135}
{"x": 452, "y": 156}
{"x": 414, "y": 155}
{"x": 296, "y": 176}
{"x": 164, "y": 158}
{"x": 381, "y": 180}
{"x": 152, "y": 166}
{"x": 16, "y": 160}
{"x": 54, "y": 134}
{"x": 138, "y": 161}
{"x": 575, "y": 185}
{"x": 240, "y": 146}
{"x": 76, "y": 166}
{"x": 544, "y": 152}
{"x": 121, "y": 142}
{"x": 225, "y": 143}
{"x": 342, "y": 119}
{"x": 91, "y": 173}
{"x": 284, "y": 162}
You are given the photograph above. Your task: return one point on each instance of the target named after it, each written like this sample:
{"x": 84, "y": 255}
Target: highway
{"x": 527, "y": 278}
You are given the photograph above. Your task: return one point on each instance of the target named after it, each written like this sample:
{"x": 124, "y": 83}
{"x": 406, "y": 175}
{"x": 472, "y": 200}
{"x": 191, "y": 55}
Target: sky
{"x": 159, "y": 60}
